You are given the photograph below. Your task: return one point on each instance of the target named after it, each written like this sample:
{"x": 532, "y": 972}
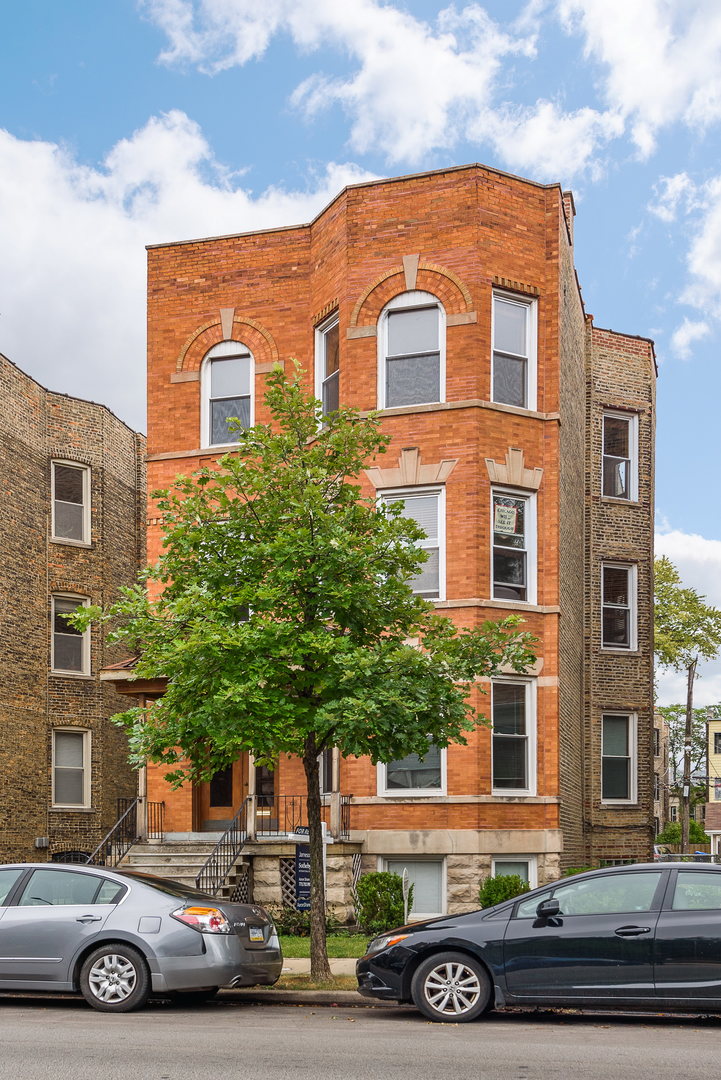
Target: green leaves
{"x": 684, "y": 626}
{"x": 280, "y": 611}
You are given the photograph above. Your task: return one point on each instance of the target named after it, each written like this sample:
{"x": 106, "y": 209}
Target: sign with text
{"x": 302, "y": 877}
{"x": 506, "y": 518}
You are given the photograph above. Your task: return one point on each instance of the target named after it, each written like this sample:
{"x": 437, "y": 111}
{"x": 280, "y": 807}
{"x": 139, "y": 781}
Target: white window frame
{"x": 87, "y": 762}
{"x": 531, "y": 737}
{"x": 632, "y": 569}
{"x": 409, "y": 493}
{"x": 531, "y": 544}
{"x": 419, "y": 916}
{"x": 632, "y": 420}
{"x": 320, "y": 335}
{"x": 498, "y": 862}
{"x": 632, "y": 719}
{"x": 85, "y": 672}
{"x": 531, "y": 307}
{"x": 412, "y": 793}
{"x": 415, "y": 299}
{"x": 205, "y": 399}
{"x": 87, "y": 489}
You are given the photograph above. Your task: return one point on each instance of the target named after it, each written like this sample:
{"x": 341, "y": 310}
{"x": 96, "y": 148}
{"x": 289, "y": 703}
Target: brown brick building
{"x": 73, "y": 490}
{"x": 522, "y": 440}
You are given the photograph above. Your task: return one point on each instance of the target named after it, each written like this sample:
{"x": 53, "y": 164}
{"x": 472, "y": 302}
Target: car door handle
{"x": 632, "y": 931}
{"x": 89, "y": 918}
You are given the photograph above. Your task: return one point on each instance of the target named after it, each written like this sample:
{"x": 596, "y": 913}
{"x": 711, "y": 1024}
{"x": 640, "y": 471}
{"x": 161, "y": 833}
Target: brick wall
{"x": 457, "y": 234}
{"x": 37, "y": 426}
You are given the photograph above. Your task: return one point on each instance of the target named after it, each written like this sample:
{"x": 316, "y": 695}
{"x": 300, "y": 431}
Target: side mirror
{"x": 548, "y": 909}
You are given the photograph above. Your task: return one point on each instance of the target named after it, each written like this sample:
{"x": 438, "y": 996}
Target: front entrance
{"x": 219, "y": 799}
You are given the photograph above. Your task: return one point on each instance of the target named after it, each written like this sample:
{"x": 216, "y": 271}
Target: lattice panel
{"x": 241, "y": 892}
{"x": 287, "y": 882}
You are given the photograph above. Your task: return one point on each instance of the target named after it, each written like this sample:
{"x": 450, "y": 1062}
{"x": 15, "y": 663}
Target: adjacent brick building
{"x": 522, "y": 440}
{"x": 71, "y": 512}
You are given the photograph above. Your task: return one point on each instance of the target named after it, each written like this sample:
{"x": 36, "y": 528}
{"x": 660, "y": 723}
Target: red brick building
{"x": 522, "y": 440}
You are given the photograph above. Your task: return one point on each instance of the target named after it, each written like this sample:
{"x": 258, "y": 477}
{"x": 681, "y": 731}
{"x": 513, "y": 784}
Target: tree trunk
{"x": 319, "y": 966}
{"x": 686, "y": 783}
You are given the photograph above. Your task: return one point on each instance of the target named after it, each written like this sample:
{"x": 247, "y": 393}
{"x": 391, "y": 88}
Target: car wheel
{"x": 194, "y": 997}
{"x": 114, "y": 978}
{"x": 451, "y": 988}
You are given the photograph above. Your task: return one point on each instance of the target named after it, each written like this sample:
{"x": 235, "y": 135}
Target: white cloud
{"x": 685, "y": 335}
{"x": 698, "y": 561}
{"x": 671, "y": 195}
{"x": 72, "y": 273}
{"x": 414, "y": 87}
{"x": 700, "y": 205}
{"x": 660, "y": 60}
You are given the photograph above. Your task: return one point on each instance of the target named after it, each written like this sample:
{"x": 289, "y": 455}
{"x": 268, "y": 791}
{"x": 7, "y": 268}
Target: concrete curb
{"x": 327, "y": 998}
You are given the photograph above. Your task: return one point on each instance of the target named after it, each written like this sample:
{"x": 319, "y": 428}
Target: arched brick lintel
{"x": 447, "y": 286}
{"x": 248, "y": 331}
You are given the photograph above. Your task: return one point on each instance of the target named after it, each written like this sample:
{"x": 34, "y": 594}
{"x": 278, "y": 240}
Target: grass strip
{"x": 339, "y": 945}
{"x": 304, "y": 982}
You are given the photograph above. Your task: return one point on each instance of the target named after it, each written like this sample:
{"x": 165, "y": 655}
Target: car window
{"x": 49, "y": 887}
{"x": 609, "y": 895}
{"x": 527, "y": 908}
{"x": 697, "y": 890}
{"x": 110, "y": 892}
{"x": 8, "y": 878}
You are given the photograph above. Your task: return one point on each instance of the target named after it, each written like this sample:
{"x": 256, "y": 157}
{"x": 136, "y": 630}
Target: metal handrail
{"x": 120, "y": 839}
{"x": 215, "y": 871}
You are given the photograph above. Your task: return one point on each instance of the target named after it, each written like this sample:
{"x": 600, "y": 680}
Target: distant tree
{"x": 282, "y": 616}
{"x": 686, "y": 630}
{"x": 675, "y": 718}
{"x": 671, "y": 833}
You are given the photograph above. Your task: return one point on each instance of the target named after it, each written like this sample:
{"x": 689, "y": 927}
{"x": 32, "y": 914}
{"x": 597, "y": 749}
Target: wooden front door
{"x": 219, "y": 799}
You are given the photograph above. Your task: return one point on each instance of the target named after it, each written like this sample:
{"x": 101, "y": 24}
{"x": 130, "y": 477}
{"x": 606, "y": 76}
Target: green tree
{"x": 675, "y": 718}
{"x": 686, "y": 630}
{"x": 671, "y": 833}
{"x": 281, "y": 615}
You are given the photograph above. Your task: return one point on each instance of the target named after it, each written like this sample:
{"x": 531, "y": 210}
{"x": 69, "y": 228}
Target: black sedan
{"x": 646, "y": 936}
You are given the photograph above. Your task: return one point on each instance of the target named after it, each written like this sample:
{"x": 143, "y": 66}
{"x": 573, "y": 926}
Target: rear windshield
{"x": 163, "y": 885}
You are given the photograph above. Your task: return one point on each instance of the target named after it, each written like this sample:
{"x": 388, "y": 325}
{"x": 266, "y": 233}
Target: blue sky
{"x": 124, "y": 123}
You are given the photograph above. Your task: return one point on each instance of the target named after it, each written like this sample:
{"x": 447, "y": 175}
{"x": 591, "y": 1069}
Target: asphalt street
{"x": 62, "y": 1038}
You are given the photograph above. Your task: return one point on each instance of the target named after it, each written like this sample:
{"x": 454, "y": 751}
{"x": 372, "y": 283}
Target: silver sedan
{"x": 118, "y": 936}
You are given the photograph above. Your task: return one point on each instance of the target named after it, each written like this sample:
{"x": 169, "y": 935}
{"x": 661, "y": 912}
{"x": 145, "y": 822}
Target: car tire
{"x": 194, "y": 997}
{"x": 451, "y": 988}
{"x": 115, "y": 978}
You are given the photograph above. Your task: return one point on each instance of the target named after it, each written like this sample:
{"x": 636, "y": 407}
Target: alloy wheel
{"x": 452, "y": 989}
{"x": 112, "y": 978}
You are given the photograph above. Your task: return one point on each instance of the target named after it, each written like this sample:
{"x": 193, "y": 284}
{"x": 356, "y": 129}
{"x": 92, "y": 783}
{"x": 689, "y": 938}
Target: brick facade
{"x": 37, "y": 427}
{"x": 461, "y": 235}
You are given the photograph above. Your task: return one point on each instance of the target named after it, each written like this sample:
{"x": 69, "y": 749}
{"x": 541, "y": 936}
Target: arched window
{"x": 227, "y": 392}
{"x": 412, "y": 351}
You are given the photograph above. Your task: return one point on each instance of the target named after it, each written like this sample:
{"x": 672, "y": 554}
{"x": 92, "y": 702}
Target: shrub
{"x": 294, "y": 923}
{"x": 495, "y": 890}
{"x": 571, "y": 871}
{"x": 379, "y": 901}
{"x": 671, "y": 833}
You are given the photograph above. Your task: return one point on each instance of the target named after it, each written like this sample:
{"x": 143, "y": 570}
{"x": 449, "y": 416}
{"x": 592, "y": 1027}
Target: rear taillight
{"x": 208, "y": 920}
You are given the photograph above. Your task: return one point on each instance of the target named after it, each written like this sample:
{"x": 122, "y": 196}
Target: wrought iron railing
{"x": 121, "y": 837}
{"x": 345, "y": 817}
{"x": 155, "y": 820}
{"x": 127, "y": 830}
{"x": 279, "y": 815}
{"x": 217, "y": 867}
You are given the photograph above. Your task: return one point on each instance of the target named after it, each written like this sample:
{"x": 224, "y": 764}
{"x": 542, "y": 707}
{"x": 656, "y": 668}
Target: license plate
{"x": 255, "y": 933}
